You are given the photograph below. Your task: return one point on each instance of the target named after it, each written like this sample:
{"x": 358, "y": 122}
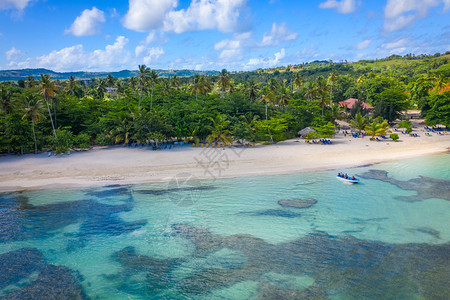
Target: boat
{"x": 347, "y": 180}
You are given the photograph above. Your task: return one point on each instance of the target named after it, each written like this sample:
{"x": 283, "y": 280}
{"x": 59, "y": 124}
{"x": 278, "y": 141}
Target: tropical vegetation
{"x": 270, "y": 105}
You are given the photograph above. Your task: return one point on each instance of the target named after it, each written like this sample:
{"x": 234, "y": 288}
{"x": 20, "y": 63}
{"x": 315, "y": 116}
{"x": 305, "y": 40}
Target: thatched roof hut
{"x": 304, "y": 132}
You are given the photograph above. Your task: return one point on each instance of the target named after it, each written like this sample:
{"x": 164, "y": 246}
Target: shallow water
{"x": 387, "y": 237}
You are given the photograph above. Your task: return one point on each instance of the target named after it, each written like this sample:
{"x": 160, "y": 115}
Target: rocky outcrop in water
{"x": 25, "y": 275}
{"x": 425, "y": 187}
{"x": 340, "y": 265}
{"x": 95, "y": 217}
{"x": 298, "y": 203}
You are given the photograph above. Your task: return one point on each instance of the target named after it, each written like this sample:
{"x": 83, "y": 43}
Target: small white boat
{"x": 348, "y": 180}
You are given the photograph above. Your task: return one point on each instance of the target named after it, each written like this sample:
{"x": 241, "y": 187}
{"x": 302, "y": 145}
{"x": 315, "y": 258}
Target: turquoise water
{"x": 385, "y": 238}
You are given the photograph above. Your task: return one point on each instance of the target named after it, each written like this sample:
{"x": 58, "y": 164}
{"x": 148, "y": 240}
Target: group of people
{"x": 342, "y": 175}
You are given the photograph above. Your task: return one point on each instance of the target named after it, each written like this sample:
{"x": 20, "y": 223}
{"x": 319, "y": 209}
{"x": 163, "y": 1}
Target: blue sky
{"x": 110, "y": 35}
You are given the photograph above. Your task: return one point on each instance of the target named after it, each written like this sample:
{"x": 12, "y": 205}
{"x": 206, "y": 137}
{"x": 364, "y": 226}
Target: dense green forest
{"x": 265, "y": 106}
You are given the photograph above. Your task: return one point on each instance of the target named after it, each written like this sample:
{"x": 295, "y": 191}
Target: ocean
{"x": 294, "y": 236}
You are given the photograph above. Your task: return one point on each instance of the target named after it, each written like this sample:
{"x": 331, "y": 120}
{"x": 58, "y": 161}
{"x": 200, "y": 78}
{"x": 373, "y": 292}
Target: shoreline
{"x": 124, "y": 165}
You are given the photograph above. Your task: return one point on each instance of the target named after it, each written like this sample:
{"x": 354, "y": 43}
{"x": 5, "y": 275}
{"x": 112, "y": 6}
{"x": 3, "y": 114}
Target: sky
{"x": 237, "y": 35}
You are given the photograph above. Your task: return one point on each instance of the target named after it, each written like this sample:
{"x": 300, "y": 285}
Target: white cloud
{"x": 148, "y": 55}
{"x": 155, "y": 37}
{"x": 222, "y": 15}
{"x": 400, "y": 14}
{"x": 446, "y": 5}
{"x": 231, "y": 49}
{"x": 397, "y": 44}
{"x": 152, "y": 55}
{"x": 363, "y": 45}
{"x": 88, "y": 23}
{"x": 113, "y": 57}
{"x": 254, "y": 63}
{"x": 145, "y": 15}
{"x": 343, "y": 6}
{"x": 18, "y": 4}
{"x": 278, "y": 34}
{"x": 13, "y": 54}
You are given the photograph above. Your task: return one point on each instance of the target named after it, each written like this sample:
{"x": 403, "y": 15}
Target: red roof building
{"x": 349, "y": 103}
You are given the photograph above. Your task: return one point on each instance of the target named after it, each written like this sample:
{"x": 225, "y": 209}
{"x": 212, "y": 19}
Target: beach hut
{"x": 304, "y": 132}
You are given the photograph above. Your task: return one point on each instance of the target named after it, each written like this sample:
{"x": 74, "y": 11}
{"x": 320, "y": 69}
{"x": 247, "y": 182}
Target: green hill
{"x": 6, "y": 75}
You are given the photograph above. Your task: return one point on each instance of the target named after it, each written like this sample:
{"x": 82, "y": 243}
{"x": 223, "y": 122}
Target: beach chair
{"x": 377, "y": 139}
{"x": 384, "y": 137}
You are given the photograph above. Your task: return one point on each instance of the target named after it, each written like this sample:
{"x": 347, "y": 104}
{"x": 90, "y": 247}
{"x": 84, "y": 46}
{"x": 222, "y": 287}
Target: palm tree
{"x": 274, "y": 85}
{"x": 166, "y": 88}
{"x": 224, "y": 81}
{"x": 134, "y": 83}
{"x": 311, "y": 90}
{"x": 374, "y": 128}
{"x": 206, "y": 84}
{"x": 322, "y": 90}
{"x": 144, "y": 74}
{"x": 219, "y": 131}
{"x": 33, "y": 108}
{"x": 359, "y": 122}
{"x": 48, "y": 90}
{"x": 298, "y": 80}
{"x": 200, "y": 84}
{"x": 110, "y": 80}
{"x": 284, "y": 97}
{"x": 7, "y": 103}
{"x": 196, "y": 86}
{"x": 153, "y": 79}
{"x": 175, "y": 82}
{"x": 440, "y": 82}
{"x": 30, "y": 82}
{"x": 71, "y": 85}
{"x": 122, "y": 130}
{"x": 100, "y": 87}
{"x": 267, "y": 97}
{"x": 252, "y": 89}
{"x": 332, "y": 78}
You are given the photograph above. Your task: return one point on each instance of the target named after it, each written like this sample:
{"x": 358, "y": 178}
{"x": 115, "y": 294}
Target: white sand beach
{"x": 124, "y": 165}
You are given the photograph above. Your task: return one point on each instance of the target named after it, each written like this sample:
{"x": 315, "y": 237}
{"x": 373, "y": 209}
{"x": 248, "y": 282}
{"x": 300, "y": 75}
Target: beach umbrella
{"x": 304, "y": 132}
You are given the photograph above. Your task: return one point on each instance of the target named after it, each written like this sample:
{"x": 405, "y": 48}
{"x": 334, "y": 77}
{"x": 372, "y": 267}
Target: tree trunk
{"x": 54, "y": 113}
{"x": 140, "y": 96}
{"x": 7, "y": 132}
{"x": 34, "y": 136}
{"x": 267, "y": 123}
{"x": 51, "y": 119}
{"x": 151, "y": 100}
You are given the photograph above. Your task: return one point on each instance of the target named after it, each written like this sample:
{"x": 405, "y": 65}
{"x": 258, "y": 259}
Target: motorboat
{"x": 347, "y": 180}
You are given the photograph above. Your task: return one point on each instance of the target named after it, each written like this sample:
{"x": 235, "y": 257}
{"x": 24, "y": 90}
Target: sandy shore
{"x": 123, "y": 165}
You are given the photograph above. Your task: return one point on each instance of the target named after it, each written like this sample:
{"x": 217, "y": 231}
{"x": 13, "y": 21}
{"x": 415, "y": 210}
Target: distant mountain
{"x": 15, "y": 75}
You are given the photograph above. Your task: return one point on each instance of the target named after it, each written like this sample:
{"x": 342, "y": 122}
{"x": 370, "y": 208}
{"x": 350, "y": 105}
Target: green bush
{"x": 104, "y": 140}
{"x": 82, "y": 140}
{"x": 63, "y": 141}
{"x": 394, "y": 137}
